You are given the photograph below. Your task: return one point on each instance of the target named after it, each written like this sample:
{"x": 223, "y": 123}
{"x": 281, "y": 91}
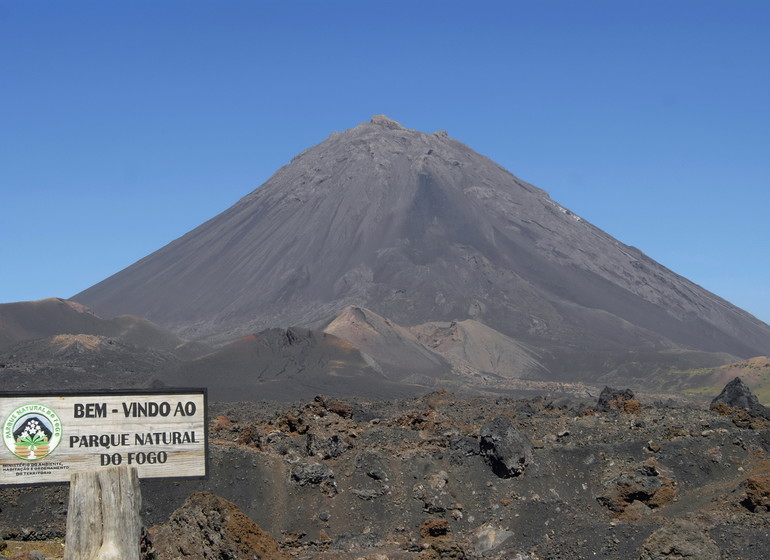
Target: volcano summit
{"x": 419, "y": 228}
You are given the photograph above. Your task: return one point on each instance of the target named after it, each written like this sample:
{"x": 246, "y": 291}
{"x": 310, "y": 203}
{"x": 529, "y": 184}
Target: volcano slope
{"x": 56, "y": 344}
{"x": 31, "y": 320}
{"x": 286, "y": 365}
{"x": 420, "y": 228}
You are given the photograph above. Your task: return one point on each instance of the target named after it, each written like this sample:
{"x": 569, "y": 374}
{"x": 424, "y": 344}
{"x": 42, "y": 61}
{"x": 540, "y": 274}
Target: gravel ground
{"x": 337, "y": 478}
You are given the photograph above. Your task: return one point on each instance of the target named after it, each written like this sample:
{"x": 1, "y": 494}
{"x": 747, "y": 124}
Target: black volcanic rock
{"x": 613, "y": 399}
{"x": 418, "y": 227}
{"x": 505, "y": 448}
{"x": 737, "y": 394}
{"x": 402, "y": 482}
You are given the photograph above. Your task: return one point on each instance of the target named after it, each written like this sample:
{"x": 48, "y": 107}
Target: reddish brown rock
{"x": 434, "y": 528}
{"x": 616, "y": 399}
{"x": 208, "y": 526}
{"x": 757, "y": 493}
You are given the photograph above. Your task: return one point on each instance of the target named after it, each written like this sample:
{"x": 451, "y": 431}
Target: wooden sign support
{"x": 103, "y": 519}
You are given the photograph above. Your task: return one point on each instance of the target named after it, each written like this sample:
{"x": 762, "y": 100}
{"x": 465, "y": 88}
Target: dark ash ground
{"x": 334, "y": 478}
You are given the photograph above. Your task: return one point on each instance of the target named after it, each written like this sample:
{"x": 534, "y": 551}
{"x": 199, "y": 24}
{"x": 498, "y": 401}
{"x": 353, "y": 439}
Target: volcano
{"x": 419, "y": 228}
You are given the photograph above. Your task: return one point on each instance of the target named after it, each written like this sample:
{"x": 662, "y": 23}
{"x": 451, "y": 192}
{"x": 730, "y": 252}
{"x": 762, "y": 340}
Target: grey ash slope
{"x": 30, "y": 320}
{"x": 59, "y": 344}
{"x": 418, "y": 227}
{"x": 279, "y": 364}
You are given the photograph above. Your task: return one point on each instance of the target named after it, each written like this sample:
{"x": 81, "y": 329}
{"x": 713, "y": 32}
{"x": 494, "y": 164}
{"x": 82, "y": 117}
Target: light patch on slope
{"x": 470, "y": 344}
{"x": 82, "y": 341}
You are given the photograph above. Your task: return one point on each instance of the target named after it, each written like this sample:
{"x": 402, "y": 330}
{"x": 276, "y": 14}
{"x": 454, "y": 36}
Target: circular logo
{"x": 32, "y": 432}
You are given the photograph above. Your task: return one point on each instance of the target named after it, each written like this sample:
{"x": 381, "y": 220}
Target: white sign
{"x": 47, "y": 438}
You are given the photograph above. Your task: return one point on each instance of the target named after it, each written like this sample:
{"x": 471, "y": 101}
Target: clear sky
{"x": 124, "y": 124}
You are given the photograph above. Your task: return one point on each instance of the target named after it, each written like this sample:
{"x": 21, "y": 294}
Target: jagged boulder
{"x": 435, "y": 527}
{"x": 757, "y": 493}
{"x": 326, "y": 445}
{"x": 310, "y": 473}
{"x": 679, "y": 540}
{"x": 617, "y": 399}
{"x": 504, "y": 447}
{"x": 645, "y": 485}
{"x": 443, "y": 548}
{"x": 207, "y": 526}
{"x": 737, "y": 395}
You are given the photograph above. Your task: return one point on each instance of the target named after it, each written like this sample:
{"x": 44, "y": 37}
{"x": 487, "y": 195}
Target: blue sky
{"x": 125, "y": 124}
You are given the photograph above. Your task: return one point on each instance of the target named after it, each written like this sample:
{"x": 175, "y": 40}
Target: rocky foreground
{"x": 442, "y": 477}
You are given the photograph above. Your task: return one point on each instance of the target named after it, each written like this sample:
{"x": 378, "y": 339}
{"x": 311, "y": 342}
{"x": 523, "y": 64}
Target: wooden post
{"x": 103, "y": 521}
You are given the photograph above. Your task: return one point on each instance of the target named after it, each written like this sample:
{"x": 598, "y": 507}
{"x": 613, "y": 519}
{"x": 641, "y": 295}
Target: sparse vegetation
{"x": 707, "y": 382}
